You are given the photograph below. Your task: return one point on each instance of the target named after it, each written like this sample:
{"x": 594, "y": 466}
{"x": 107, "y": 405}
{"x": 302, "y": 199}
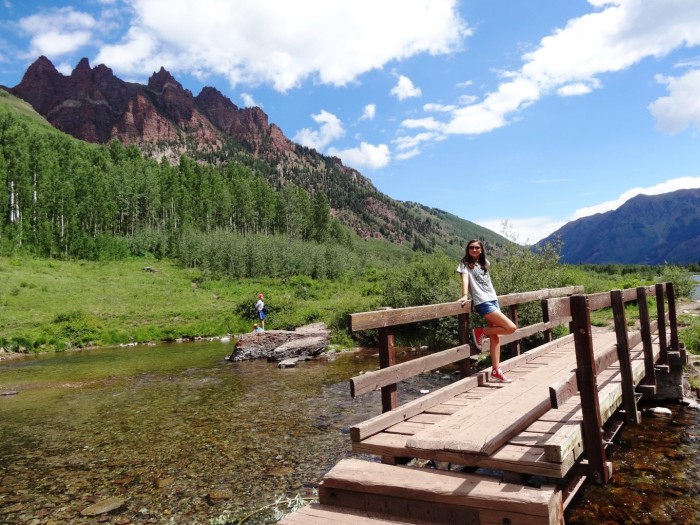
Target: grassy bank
{"x": 53, "y": 305}
{"x": 50, "y": 305}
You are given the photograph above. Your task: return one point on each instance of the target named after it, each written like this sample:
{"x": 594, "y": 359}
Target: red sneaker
{"x": 498, "y": 375}
{"x": 478, "y": 336}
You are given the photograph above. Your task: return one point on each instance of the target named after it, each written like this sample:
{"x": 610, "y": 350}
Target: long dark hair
{"x": 468, "y": 260}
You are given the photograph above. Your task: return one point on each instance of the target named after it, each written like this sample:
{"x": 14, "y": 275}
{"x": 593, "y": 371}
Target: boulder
{"x": 277, "y": 345}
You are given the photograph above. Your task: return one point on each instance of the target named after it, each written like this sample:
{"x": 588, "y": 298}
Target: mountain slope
{"x": 165, "y": 120}
{"x": 645, "y": 230}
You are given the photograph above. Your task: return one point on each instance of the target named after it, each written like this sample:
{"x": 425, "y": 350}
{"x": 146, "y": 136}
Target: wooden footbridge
{"x": 479, "y": 452}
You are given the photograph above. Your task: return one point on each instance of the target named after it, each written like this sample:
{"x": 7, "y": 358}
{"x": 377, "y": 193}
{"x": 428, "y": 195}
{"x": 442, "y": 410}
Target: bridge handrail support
{"x": 385, "y": 318}
{"x": 587, "y": 369}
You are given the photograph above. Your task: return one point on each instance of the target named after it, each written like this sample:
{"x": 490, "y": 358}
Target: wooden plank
{"x": 387, "y": 358}
{"x": 527, "y": 460}
{"x": 371, "y": 381}
{"x": 623, "y": 355}
{"x": 650, "y": 378}
{"x": 439, "y": 486}
{"x": 378, "y": 423}
{"x": 588, "y": 388}
{"x": 399, "y": 316}
{"x": 569, "y": 437}
{"x": 661, "y": 323}
{"x": 598, "y": 301}
{"x": 318, "y": 514}
{"x": 399, "y": 509}
{"x": 517, "y": 404}
{"x": 538, "y": 295}
{"x": 413, "y": 314}
{"x": 559, "y": 308}
{"x": 515, "y": 458}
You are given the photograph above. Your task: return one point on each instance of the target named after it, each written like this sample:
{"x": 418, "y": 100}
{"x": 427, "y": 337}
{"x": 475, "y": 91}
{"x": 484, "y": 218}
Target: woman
{"x": 476, "y": 280}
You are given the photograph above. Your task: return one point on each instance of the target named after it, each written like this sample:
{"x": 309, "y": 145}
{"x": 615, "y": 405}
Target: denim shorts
{"x": 486, "y": 308}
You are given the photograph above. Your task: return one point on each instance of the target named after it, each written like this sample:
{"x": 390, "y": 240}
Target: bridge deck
{"x": 509, "y": 427}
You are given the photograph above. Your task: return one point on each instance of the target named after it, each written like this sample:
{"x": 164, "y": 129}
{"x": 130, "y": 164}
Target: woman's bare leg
{"x": 498, "y": 324}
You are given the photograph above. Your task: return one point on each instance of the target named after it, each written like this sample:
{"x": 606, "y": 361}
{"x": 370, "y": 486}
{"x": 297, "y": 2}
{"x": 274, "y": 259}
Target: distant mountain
{"x": 165, "y": 120}
{"x": 647, "y": 229}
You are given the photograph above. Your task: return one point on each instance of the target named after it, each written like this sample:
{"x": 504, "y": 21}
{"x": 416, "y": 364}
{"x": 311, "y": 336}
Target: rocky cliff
{"x": 92, "y": 104}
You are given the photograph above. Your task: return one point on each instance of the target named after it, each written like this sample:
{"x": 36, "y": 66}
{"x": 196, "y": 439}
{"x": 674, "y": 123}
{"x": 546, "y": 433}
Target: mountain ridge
{"x": 166, "y": 120}
{"x": 647, "y": 229}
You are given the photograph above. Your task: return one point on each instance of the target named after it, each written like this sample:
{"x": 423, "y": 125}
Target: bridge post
{"x": 587, "y": 380}
{"x": 515, "y": 345}
{"x": 546, "y": 318}
{"x": 629, "y": 401}
{"x": 387, "y": 357}
{"x": 661, "y": 319}
{"x": 649, "y": 371}
{"x": 465, "y": 365}
{"x": 672, "y": 321}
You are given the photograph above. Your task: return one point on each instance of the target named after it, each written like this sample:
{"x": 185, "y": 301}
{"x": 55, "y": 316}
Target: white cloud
{"x": 331, "y": 129}
{"x": 664, "y": 187}
{"x": 249, "y": 101}
{"x": 404, "y": 89}
{"x": 428, "y": 123}
{"x": 328, "y": 42}
{"x": 681, "y": 108}
{"x": 525, "y": 231}
{"x": 409, "y": 143}
{"x": 439, "y": 107}
{"x": 568, "y": 61}
{"x": 364, "y": 156}
{"x": 58, "y": 31}
{"x": 369, "y": 112}
{"x": 577, "y": 88}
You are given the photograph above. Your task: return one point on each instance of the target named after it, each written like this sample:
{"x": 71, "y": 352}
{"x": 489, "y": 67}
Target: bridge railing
{"x": 559, "y": 306}
{"x": 588, "y": 365}
{"x": 389, "y": 374}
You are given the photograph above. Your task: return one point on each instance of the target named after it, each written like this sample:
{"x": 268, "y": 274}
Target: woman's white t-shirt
{"x": 480, "y": 286}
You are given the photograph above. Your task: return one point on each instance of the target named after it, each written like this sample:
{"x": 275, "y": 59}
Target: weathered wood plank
{"x": 517, "y": 404}
{"x": 413, "y": 314}
{"x": 319, "y": 514}
{"x": 569, "y": 438}
{"x": 412, "y": 408}
{"x": 439, "y": 486}
{"x": 399, "y": 316}
{"x": 598, "y": 301}
{"x": 371, "y": 381}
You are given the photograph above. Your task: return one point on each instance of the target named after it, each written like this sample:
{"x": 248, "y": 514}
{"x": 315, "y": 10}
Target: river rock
{"x": 277, "y": 345}
{"x": 101, "y": 507}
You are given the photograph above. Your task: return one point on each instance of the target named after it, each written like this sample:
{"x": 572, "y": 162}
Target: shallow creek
{"x": 181, "y": 435}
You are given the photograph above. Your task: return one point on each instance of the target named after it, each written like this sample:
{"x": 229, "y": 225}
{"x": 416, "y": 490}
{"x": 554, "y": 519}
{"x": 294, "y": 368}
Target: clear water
{"x": 183, "y": 435}
{"x": 175, "y": 430}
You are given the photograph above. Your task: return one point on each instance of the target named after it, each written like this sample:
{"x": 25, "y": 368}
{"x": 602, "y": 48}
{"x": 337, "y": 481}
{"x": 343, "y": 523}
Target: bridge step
{"x": 400, "y": 494}
{"x": 316, "y": 514}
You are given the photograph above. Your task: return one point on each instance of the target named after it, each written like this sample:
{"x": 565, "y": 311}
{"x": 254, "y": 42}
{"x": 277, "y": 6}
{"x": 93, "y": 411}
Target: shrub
{"x": 683, "y": 282}
{"x": 77, "y": 328}
{"x": 689, "y": 333}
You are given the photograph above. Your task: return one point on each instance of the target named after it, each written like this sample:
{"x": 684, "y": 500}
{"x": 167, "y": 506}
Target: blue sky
{"x": 515, "y": 112}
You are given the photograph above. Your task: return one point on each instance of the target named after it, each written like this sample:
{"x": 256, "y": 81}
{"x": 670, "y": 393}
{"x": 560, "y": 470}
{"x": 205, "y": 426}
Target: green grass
{"x": 51, "y": 305}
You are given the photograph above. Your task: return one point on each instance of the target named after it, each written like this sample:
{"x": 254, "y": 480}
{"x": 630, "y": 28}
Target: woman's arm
{"x": 465, "y": 289}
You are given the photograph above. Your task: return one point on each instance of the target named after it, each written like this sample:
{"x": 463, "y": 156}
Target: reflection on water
{"x": 182, "y": 435}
